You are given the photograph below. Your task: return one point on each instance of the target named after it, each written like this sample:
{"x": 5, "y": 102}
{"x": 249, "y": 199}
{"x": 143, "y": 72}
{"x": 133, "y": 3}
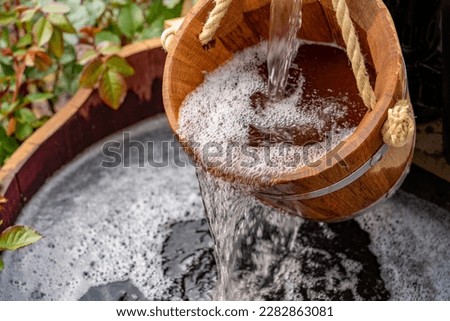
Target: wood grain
{"x": 188, "y": 62}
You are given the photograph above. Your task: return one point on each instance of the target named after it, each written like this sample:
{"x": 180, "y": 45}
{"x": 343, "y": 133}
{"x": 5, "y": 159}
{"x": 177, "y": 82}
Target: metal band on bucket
{"x": 336, "y": 186}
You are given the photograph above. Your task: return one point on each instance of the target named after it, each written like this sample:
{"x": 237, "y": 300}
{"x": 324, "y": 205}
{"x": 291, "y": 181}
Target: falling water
{"x": 285, "y": 22}
{"x": 264, "y": 254}
{"x": 252, "y": 244}
{"x": 255, "y": 245}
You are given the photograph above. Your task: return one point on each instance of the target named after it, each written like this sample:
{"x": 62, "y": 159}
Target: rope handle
{"x": 167, "y": 37}
{"x": 209, "y": 29}
{"x": 399, "y": 127}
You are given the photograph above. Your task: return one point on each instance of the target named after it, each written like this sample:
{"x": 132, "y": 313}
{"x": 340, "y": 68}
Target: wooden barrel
{"x": 366, "y": 170}
{"x": 55, "y": 144}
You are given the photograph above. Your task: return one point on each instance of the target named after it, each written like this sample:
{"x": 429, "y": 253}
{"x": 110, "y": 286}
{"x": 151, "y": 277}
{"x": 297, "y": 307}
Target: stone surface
{"x": 118, "y": 233}
{"x": 116, "y": 291}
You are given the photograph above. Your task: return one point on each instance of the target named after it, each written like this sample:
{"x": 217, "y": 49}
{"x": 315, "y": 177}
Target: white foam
{"x": 410, "y": 238}
{"x": 103, "y": 232}
{"x": 219, "y": 112}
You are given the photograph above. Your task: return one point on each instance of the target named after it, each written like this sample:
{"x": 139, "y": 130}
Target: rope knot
{"x": 213, "y": 23}
{"x": 167, "y": 37}
{"x": 399, "y": 128}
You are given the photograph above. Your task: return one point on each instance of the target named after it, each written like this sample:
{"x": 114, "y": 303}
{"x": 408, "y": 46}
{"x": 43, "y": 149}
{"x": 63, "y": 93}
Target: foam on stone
{"x": 103, "y": 232}
{"x": 103, "y": 225}
{"x": 411, "y": 237}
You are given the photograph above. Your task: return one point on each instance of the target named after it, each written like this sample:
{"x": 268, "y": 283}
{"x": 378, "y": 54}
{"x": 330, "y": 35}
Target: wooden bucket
{"x": 367, "y": 170}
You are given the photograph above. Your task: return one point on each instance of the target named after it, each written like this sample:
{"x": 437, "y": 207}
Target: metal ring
{"x": 336, "y": 186}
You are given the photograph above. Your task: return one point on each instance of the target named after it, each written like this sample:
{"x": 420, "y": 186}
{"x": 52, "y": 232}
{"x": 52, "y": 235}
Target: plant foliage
{"x": 48, "y": 49}
{"x": 16, "y": 237}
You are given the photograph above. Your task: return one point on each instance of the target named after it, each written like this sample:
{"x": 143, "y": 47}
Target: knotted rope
{"x": 209, "y": 29}
{"x": 399, "y": 127}
{"x": 354, "y": 53}
{"x": 213, "y": 23}
{"x": 167, "y": 37}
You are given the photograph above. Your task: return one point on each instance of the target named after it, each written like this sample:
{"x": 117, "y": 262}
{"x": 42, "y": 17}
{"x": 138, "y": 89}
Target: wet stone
{"x": 117, "y": 291}
{"x": 127, "y": 228}
{"x": 188, "y": 258}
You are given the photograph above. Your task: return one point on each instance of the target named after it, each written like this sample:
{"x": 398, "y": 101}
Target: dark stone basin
{"x": 139, "y": 233}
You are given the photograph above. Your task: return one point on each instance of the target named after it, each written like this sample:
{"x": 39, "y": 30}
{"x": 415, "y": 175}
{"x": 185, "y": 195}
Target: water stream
{"x": 264, "y": 254}
{"x": 252, "y": 244}
{"x": 285, "y": 22}
{"x": 256, "y": 247}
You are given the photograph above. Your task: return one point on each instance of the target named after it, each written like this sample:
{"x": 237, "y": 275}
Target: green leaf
{"x": 154, "y": 30}
{"x": 112, "y": 89}
{"x": 157, "y": 11}
{"x": 2, "y": 265}
{"x": 23, "y": 131}
{"x": 7, "y": 18}
{"x": 16, "y": 237}
{"x": 34, "y": 73}
{"x": 4, "y": 40}
{"x": 56, "y": 43}
{"x": 96, "y": 8}
{"x": 80, "y": 17}
{"x": 174, "y": 12}
{"x": 25, "y": 115}
{"x": 87, "y": 56}
{"x": 8, "y": 108}
{"x": 19, "y": 52}
{"x": 69, "y": 55}
{"x": 56, "y": 7}
{"x": 69, "y": 79}
{"x": 24, "y": 41}
{"x": 107, "y": 36}
{"x": 6, "y": 60}
{"x": 118, "y": 3}
{"x": 150, "y": 33}
{"x": 61, "y": 22}
{"x": 3, "y": 131}
{"x": 120, "y": 65}
{"x": 130, "y": 20}
{"x": 39, "y": 122}
{"x": 7, "y": 144}
{"x": 107, "y": 48}
{"x": 171, "y": 3}
{"x": 37, "y": 97}
{"x": 91, "y": 73}
{"x": 73, "y": 4}
{"x": 7, "y": 69}
{"x": 3, "y": 158}
{"x": 27, "y": 15}
{"x": 42, "y": 31}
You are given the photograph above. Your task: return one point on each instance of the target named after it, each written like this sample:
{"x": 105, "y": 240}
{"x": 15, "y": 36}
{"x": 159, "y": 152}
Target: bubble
{"x": 98, "y": 226}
